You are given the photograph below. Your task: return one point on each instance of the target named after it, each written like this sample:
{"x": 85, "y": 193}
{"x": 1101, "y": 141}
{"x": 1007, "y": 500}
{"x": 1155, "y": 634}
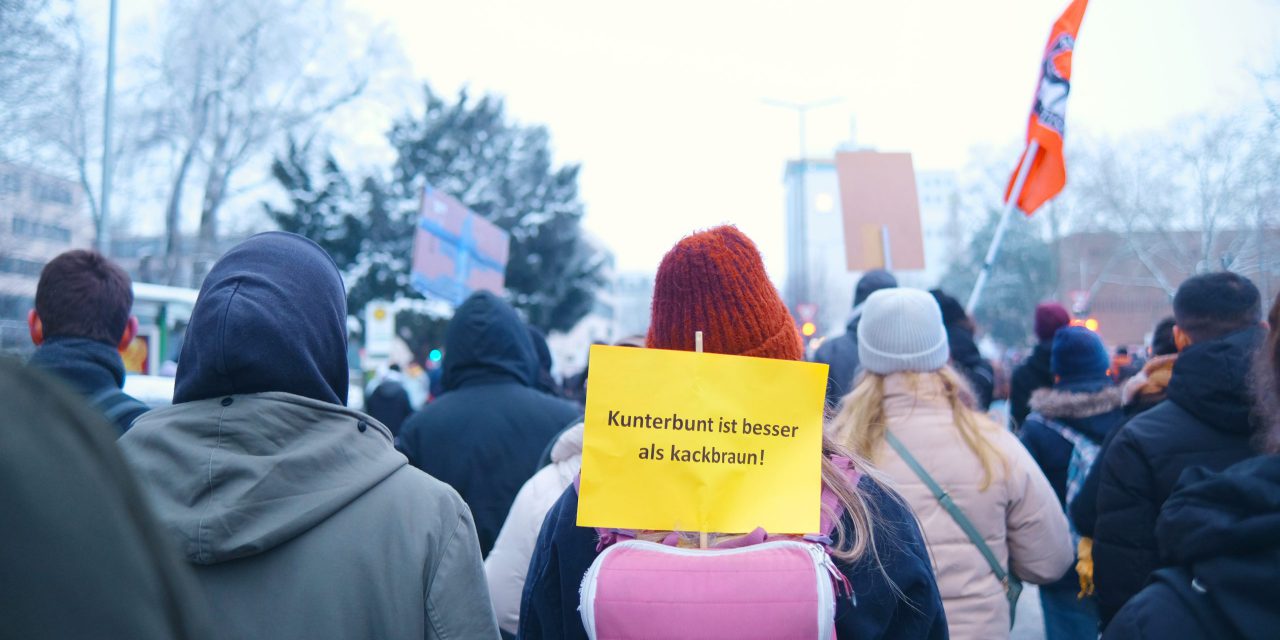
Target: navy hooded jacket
{"x": 238, "y": 342}
{"x": 484, "y": 435}
{"x": 1220, "y": 534}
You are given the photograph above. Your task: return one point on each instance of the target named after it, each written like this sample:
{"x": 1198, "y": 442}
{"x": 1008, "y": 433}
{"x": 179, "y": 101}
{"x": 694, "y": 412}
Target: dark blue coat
{"x": 1205, "y": 422}
{"x": 549, "y": 607}
{"x": 1219, "y": 534}
{"x": 95, "y": 371}
{"x": 840, "y": 354}
{"x": 484, "y": 435}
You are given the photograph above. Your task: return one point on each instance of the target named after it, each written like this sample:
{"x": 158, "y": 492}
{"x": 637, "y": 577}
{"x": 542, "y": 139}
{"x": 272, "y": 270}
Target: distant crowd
{"x": 1141, "y": 492}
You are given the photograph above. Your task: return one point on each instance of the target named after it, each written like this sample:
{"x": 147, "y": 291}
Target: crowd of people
{"x": 1142, "y": 495}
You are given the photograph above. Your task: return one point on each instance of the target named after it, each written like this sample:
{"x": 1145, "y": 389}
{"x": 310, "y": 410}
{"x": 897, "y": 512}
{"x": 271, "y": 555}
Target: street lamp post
{"x": 800, "y": 278}
{"x": 104, "y": 210}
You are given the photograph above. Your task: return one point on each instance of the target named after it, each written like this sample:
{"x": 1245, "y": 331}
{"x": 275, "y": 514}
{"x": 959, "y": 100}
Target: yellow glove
{"x": 1084, "y": 567}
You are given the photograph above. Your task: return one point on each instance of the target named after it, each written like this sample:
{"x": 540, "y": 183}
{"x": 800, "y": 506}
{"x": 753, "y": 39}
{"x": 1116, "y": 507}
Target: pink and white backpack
{"x": 752, "y": 587}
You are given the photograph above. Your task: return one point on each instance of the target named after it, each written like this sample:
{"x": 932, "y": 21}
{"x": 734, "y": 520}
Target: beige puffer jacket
{"x": 1018, "y": 514}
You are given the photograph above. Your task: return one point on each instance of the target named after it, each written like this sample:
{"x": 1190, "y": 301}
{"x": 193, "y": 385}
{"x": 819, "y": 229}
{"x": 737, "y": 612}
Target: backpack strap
{"x": 1076, "y": 438}
{"x": 951, "y": 507}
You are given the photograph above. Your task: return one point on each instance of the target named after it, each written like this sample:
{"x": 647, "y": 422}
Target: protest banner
{"x": 682, "y": 441}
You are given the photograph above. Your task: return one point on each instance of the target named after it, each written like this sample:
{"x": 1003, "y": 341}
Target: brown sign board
{"x": 878, "y": 200}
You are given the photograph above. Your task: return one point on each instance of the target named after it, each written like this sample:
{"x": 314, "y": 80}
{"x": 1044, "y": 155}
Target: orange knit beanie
{"x": 714, "y": 282}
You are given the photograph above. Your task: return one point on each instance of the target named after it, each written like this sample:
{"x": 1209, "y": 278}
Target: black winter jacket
{"x": 1205, "y": 422}
{"x": 1028, "y": 377}
{"x": 840, "y": 354}
{"x": 1220, "y": 535}
{"x": 485, "y": 434}
{"x": 966, "y": 359}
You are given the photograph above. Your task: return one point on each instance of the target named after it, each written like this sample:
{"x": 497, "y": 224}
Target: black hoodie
{"x": 1205, "y": 422}
{"x": 239, "y": 341}
{"x": 485, "y": 434}
{"x": 1220, "y": 534}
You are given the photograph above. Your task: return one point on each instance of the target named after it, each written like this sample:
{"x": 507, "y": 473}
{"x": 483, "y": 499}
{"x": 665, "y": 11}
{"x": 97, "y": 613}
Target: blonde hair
{"x": 861, "y": 423}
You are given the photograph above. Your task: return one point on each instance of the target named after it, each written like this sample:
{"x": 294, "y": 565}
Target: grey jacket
{"x": 302, "y": 521}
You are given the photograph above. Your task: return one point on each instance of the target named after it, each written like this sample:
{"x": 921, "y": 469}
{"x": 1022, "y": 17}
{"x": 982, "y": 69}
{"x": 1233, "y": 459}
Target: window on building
{"x": 34, "y": 229}
{"x": 49, "y": 191}
{"x": 15, "y": 306}
{"x": 10, "y": 183}
{"x": 19, "y": 266}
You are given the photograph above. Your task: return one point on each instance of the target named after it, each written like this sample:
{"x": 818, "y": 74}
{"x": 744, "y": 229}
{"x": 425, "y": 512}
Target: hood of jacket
{"x": 486, "y": 342}
{"x": 1210, "y": 381}
{"x": 1150, "y": 384}
{"x": 87, "y": 365}
{"x": 271, "y": 316}
{"x": 1094, "y": 412}
{"x": 235, "y": 479}
{"x": 1226, "y": 528}
{"x": 568, "y": 445}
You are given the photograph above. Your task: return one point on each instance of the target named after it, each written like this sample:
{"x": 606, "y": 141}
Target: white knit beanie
{"x": 901, "y": 330}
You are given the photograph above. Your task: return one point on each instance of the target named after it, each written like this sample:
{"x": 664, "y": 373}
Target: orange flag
{"x": 1048, "y": 173}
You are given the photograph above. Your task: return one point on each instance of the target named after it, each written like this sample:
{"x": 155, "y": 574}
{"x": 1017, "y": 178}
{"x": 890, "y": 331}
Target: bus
{"x": 163, "y": 314}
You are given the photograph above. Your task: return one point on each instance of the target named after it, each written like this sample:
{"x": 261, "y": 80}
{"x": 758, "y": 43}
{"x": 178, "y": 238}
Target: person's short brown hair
{"x": 82, "y": 294}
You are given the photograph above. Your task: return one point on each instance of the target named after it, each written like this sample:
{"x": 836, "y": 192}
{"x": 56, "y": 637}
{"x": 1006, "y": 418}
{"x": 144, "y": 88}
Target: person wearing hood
{"x": 1206, "y": 421}
{"x": 484, "y": 435}
{"x": 545, "y": 382}
{"x": 1035, "y": 372}
{"x": 965, "y": 357}
{"x": 80, "y": 326}
{"x": 1219, "y": 537}
{"x": 841, "y": 354}
{"x": 298, "y": 515}
{"x": 82, "y": 557}
{"x": 387, "y": 400}
{"x": 1084, "y": 403}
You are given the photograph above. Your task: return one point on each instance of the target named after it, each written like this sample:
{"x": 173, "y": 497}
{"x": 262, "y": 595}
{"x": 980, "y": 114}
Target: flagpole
{"x": 1012, "y": 203}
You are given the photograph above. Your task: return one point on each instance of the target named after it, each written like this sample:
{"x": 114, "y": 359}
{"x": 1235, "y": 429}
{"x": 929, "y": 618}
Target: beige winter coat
{"x": 1018, "y": 515}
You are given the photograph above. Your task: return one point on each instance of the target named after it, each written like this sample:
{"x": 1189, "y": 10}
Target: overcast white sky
{"x": 661, "y": 102}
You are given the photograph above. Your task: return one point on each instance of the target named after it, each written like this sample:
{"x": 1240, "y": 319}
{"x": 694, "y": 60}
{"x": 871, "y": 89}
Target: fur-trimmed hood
{"x": 1059, "y": 403}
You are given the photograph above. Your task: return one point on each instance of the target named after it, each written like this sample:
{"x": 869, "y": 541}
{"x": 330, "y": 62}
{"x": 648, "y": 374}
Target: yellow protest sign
{"x": 686, "y": 441}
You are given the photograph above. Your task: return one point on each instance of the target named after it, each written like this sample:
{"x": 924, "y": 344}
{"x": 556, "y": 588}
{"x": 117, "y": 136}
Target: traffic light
{"x": 1091, "y": 324}
{"x": 808, "y": 329}
{"x": 435, "y": 355}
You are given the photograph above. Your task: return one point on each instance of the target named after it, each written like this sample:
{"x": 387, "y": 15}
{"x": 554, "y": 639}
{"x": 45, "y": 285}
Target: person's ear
{"x": 1180, "y": 338}
{"x": 36, "y": 327}
{"x": 130, "y": 330}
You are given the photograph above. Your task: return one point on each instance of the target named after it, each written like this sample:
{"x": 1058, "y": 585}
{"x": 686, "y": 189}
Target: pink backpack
{"x": 752, "y": 587}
